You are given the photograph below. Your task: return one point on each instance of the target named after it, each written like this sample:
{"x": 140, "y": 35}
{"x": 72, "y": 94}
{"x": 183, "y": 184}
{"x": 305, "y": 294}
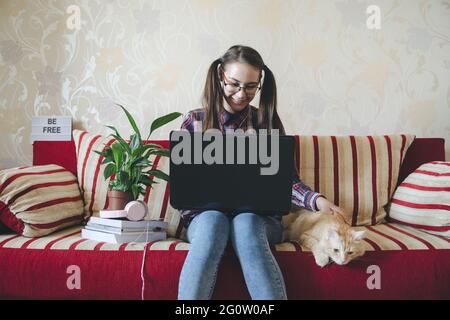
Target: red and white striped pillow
{"x": 94, "y": 187}
{"x": 423, "y": 199}
{"x": 357, "y": 173}
{"x": 38, "y": 200}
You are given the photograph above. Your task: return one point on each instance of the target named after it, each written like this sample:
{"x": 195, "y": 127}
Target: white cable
{"x": 143, "y": 263}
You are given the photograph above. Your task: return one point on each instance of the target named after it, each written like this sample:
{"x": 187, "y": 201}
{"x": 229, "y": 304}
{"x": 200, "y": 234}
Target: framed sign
{"x": 51, "y": 128}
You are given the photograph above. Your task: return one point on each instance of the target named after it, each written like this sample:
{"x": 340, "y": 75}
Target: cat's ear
{"x": 333, "y": 235}
{"x": 358, "y": 235}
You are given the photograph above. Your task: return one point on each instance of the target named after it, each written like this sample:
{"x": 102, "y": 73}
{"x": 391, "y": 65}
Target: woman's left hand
{"x": 327, "y": 206}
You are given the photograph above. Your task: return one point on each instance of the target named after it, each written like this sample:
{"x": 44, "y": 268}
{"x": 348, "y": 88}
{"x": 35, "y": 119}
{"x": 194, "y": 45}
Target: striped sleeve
{"x": 302, "y": 195}
{"x": 188, "y": 122}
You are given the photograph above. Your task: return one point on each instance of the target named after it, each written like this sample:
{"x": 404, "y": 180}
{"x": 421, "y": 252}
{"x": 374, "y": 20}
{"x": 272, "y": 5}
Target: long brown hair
{"x": 213, "y": 95}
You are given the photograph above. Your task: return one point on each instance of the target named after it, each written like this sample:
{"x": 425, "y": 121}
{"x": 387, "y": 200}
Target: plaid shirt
{"x": 302, "y": 195}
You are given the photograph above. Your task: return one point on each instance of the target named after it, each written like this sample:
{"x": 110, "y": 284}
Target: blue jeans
{"x": 251, "y": 236}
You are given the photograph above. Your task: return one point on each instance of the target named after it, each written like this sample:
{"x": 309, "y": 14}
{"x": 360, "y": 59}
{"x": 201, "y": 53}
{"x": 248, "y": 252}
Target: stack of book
{"x": 121, "y": 231}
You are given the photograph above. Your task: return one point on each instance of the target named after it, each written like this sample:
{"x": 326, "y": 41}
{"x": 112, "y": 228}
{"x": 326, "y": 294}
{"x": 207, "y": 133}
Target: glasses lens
{"x": 251, "y": 90}
{"x": 232, "y": 87}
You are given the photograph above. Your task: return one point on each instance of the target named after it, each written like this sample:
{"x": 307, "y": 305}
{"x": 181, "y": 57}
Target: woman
{"x": 232, "y": 82}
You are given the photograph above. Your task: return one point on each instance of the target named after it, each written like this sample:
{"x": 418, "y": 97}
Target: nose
{"x": 241, "y": 94}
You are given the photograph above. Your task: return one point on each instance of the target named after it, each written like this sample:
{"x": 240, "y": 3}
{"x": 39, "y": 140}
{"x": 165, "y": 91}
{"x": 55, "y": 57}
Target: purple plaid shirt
{"x": 302, "y": 195}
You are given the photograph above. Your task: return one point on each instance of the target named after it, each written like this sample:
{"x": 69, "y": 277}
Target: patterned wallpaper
{"x": 335, "y": 74}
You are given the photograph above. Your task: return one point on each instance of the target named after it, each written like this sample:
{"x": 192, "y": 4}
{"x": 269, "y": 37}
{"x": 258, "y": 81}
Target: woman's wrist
{"x": 316, "y": 206}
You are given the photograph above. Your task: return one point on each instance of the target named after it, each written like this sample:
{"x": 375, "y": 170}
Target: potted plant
{"x": 129, "y": 162}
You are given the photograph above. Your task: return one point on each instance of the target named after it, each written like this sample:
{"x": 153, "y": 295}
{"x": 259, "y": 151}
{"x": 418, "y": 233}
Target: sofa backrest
{"x": 422, "y": 150}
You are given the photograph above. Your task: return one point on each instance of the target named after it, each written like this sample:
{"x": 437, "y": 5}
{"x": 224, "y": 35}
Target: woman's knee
{"x": 248, "y": 225}
{"x": 211, "y": 226}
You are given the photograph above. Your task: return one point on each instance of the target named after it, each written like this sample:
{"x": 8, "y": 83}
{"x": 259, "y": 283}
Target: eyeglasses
{"x": 234, "y": 87}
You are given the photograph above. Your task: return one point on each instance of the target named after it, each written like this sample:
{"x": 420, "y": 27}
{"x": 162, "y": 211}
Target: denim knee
{"x": 247, "y": 225}
{"x": 209, "y": 227}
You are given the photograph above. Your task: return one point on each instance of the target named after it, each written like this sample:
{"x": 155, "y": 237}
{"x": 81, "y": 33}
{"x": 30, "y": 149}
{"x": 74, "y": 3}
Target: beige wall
{"x": 335, "y": 76}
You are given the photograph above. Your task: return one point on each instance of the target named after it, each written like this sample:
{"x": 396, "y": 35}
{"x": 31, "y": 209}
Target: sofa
{"x": 401, "y": 262}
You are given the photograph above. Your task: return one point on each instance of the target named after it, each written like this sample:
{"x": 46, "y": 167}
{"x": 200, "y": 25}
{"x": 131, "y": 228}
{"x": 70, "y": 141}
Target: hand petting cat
{"x": 326, "y": 206}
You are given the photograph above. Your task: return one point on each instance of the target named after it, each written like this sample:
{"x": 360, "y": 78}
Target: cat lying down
{"x": 327, "y": 235}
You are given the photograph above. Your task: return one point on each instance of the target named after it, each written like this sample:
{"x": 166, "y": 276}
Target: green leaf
{"x": 143, "y": 163}
{"x": 135, "y": 142}
{"x": 100, "y": 153}
{"x": 108, "y": 159}
{"x": 157, "y": 123}
{"x": 118, "y": 154}
{"x": 135, "y": 191}
{"x": 123, "y": 182}
{"x": 158, "y": 174}
{"x": 117, "y": 132}
{"x": 145, "y": 180}
{"x": 150, "y": 148}
{"x": 143, "y": 148}
{"x": 161, "y": 152}
{"x": 136, "y": 160}
{"x": 122, "y": 142}
{"x": 109, "y": 170}
{"x": 107, "y": 156}
{"x": 131, "y": 120}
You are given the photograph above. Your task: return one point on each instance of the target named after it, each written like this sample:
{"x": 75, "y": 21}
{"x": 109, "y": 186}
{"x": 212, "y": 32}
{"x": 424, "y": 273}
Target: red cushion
{"x": 55, "y": 152}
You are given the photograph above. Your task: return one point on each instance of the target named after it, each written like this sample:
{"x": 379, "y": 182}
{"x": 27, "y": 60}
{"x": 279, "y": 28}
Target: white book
{"x": 123, "y": 238}
{"x": 99, "y": 227}
{"x": 127, "y": 224}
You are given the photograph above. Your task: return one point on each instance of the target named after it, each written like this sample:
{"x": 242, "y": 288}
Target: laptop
{"x": 231, "y": 173}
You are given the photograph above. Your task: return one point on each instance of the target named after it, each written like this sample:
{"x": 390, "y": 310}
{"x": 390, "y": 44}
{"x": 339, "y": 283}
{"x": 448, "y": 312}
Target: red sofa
{"x": 412, "y": 264}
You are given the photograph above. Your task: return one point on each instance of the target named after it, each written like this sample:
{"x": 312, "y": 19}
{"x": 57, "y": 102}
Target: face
{"x": 343, "y": 247}
{"x": 239, "y": 74}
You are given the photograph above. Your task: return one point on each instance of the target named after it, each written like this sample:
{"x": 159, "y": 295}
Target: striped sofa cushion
{"x": 38, "y": 200}
{"x": 423, "y": 199}
{"x": 357, "y": 173}
{"x": 94, "y": 187}
{"x": 383, "y": 237}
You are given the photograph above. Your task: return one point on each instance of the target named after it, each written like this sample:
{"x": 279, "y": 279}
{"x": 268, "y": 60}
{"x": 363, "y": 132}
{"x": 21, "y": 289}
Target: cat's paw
{"x": 321, "y": 260}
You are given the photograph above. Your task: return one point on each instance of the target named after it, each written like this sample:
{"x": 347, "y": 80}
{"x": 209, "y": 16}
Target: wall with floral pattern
{"x": 335, "y": 75}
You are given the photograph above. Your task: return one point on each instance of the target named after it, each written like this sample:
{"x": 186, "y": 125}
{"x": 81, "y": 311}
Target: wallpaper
{"x": 342, "y": 67}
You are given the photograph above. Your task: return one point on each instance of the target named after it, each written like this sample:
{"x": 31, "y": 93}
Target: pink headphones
{"x": 134, "y": 211}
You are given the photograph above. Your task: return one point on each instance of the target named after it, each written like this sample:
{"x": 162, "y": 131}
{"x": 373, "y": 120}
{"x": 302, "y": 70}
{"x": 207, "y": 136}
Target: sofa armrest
{"x": 421, "y": 151}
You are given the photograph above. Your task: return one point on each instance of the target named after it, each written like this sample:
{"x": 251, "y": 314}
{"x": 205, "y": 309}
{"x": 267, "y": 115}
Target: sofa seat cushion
{"x": 384, "y": 237}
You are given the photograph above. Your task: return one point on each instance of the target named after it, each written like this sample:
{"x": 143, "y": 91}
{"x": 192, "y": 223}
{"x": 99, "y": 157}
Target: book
{"x": 99, "y": 227}
{"x": 124, "y": 237}
{"x": 126, "y": 224}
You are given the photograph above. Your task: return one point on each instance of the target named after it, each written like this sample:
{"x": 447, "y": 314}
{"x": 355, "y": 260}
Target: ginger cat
{"x": 326, "y": 234}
